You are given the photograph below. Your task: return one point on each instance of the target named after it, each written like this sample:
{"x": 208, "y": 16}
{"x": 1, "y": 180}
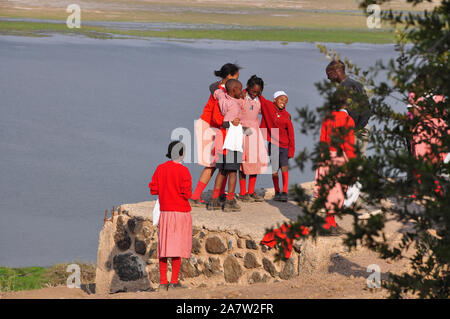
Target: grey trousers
{"x": 362, "y": 139}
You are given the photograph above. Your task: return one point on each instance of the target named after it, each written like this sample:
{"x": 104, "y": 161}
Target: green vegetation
{"x": 279, "y": 34}
{"x": 16, "y": 279}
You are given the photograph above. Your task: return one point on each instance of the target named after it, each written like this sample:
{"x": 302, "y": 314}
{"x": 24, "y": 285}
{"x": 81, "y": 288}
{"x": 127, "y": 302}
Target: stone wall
{"x": 127, "y": 258}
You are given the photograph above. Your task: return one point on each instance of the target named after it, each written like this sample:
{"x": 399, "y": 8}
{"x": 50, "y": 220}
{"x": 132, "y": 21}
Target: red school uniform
{"x": 330, "y": 125}
{"x": 272, "y": 118}
{"x": 172, "y": 182}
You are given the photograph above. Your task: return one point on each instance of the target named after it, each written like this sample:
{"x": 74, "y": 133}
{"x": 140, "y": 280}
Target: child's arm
{"x": 291, "y": 135}
{"x": 186, "y": 185}
{"x": 219, "y": 95}
{"x": 154, "y": 185}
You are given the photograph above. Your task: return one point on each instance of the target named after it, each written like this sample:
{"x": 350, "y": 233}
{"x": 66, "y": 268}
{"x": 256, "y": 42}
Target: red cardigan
{"x": 273, "y": 117}
{"x": 172, "y": 182}
{"x": 329, "y": 128}
{"x": 211, "y": 112}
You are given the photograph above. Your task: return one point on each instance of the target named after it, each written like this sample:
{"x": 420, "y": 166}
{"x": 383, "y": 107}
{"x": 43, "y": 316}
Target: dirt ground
{"x": 346, "y": 278}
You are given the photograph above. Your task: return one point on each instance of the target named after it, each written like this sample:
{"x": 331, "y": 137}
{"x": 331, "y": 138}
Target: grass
{"x": 283, "y": 35}
{"x": 28, "y": 278}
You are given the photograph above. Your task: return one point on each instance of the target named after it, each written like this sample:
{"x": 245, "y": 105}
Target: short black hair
{"x": 231, "y": 84}
{"x": 227, "y": 69}
{"x": 336, "y": 64}
{"x": 254, "y": 80}
{"x": 175, "y": 150}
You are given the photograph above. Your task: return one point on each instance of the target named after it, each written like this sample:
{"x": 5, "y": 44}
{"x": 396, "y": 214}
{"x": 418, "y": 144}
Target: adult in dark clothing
{"x": 358, "y": 108}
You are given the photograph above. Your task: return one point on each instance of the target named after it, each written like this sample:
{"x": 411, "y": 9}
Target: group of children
{"x": 231, "y": 138}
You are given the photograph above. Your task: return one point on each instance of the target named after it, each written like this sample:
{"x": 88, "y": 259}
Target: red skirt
{"x": 175, "y": 234}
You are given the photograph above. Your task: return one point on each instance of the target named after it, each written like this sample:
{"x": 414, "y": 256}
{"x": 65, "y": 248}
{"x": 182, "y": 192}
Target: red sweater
{"x": 211, "y": 112}
{"x": 272, "y": 118}
{"x": 172, "y": 182}
{"x": 330, "y": 126}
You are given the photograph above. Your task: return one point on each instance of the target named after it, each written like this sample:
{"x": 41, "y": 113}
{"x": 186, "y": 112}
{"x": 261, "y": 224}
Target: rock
{"x": 196, "y": 245}
{"x": 154, "y": 275}
{"x": 238, "y": 255}
{"x": 214, "y": 245}
{"x": 193, "y": 260}
{"x": 195, "y": 231}
{"x": 121, "y": 236}
{"x": 230, "y": 244}
{"x": 188, "y": 270}
{"x": 132, "y": 225}
{"x": 239, "y": 243}
{"x": 202, "y": 235}
{"x": 128, "y": 267}
{"x": 255, "y": 278}
{"x": 212, "y": 267}
{"x": 200, "y": 261}
{"x": 153, "y": 252}
{"x": 147, "y": 232}
{"x": 288, "y": 270}
{"x": 297, "y": 247}
{"x": 251, "y": 244}
{"x": 250, "y": 261}
{"x": 269, "y": 267}
{"x": 139, "y": 246}
{"x": 263, "y": 248}
{"x": 202, "y": 285}
{"x": 232, "y": 270}
{"x": 265, "y": 278}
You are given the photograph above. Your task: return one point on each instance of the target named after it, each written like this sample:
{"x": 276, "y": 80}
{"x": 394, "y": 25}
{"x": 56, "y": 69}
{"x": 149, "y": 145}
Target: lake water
{"x": 85, "y": 122}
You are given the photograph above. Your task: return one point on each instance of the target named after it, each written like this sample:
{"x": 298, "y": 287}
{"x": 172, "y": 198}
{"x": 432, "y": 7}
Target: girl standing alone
{"x": 172, "y": 183}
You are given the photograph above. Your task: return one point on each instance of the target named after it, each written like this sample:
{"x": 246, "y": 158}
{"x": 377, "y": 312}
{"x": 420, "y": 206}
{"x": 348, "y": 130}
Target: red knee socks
{"x": 176, "y": 265}
{"x": 251, "y": 184}
{"x": 198, "y": 190}
{"x": 242, "y": 182}
{"x": 285, "y": 181}
{"x": 230, "y": 196}
{"x": 216, "y": 193}
{"x": 163, "y": 271}
{"x": 276, "y": 184}
{"x": 329, "y": 222}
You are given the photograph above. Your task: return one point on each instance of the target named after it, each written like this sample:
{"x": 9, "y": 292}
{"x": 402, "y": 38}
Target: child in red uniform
{"x": 228, "y": 160}
{"x": 172, "y": 183}
{"x": 277, "y": 127}
{"x": 255, "y": 158}
{"x": 338, "y": 125}
{"x": 205, "y": 132}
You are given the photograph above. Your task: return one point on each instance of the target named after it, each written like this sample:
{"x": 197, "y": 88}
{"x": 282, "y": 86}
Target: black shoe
{"x": 176, "y": 286}
{"x": 246, "y": 198}
{"x": 214, "y": 204}
{"x": 163, "y": 287}
{"x": 256, "y": 197}
{"x": 196, "y": 203}
{"x": 223, "y": 198}
{"x": 283, "y": 197}
{"x": 277, "y": 197}
{"x": 231, "y": 206}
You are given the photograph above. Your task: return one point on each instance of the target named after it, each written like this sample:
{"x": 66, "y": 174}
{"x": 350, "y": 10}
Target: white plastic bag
{"x": 447, "y": 158}
{"x": 156, "y": 213}
{"x": 234, "y": 138}
{"x": 352, "y": 194}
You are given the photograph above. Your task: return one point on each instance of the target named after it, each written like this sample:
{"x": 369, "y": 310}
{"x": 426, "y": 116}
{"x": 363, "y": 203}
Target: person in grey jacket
{"x": 359, "y": 108}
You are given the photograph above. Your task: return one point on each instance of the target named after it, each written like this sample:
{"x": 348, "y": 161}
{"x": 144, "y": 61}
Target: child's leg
{"x": 163, "y": 271}
{"x": 242, "y": 183}
{"x": 218, "y": 184}
{"x": 232, "y": 179}
{"x": 276, "y": 184}
{"x": 176, "y": 265}
{"x": 285, "y": 175}
{"x": 224, "y": 185}
{"x": 251, "y": 184}
{"x": 204, "y": 179}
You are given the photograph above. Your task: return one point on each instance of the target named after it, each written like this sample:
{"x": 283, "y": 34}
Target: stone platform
{"x": 225, "y": 249}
